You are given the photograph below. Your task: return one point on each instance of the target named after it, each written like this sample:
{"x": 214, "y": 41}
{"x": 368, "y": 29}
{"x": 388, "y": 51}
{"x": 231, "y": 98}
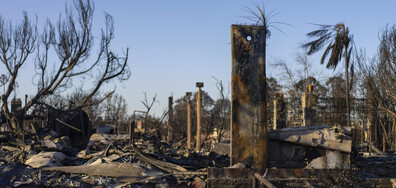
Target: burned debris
{"x": 108, "y": 160}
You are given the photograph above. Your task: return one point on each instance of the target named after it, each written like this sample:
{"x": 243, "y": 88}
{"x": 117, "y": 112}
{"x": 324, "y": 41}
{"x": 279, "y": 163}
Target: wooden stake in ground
{"x": 198, "y": 145}
{"x": 170, "y": 120}
{"x": 188, "y": 94}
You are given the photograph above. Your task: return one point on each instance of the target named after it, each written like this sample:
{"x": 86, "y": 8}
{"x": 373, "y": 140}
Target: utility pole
{"x": 188, "y": 94}
{"x": 198, "y": 146}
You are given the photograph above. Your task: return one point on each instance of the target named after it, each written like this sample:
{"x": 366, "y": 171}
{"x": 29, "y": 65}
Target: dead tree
{"x": 387, "y": 68}
{"x": 148, "y": 105}
{"x": 378, "y": 84}
{"x": 72, "y": 40}
{"x": 223, "y": 109}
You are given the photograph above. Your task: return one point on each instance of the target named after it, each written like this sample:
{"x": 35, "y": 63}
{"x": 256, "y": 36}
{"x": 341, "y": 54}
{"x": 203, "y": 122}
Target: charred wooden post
{"x": 16, "y": 107}
{"x": 309, "y": 103}
{"x": 279, "y": 112}
{"x": 372, "y": 123}
{"x": 83, "y": 126}
{"x": 248, "y": 96}
{"x": 170, "y": 119}
{"x": 23, "y": 119}
{"x": 383, "y": 144}
{"x": 199, "y": 103}
{"x": 188, "y": 95}
{"x": 131, "y": 132}
{"x": 1, "y": 126}
{"x": 394, "y": 133}
{"x": 305, "y": 116}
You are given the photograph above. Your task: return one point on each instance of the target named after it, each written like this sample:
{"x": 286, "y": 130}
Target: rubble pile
{"x": 382, "y": 165}
{"x": 49, "y": 159}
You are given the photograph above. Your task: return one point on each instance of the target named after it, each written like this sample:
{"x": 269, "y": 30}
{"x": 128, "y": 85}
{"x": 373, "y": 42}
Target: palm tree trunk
{"x": 347, "y": 86}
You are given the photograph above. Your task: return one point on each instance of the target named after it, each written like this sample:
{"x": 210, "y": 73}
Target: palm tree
{"x": 339, "y": 44}
{"x": 260, "y": 18}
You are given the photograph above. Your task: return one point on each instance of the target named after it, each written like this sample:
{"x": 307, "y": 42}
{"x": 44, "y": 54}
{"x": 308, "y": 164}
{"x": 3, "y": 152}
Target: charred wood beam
{"x": 264, "y": 180}
{"x": 63, "y": 123}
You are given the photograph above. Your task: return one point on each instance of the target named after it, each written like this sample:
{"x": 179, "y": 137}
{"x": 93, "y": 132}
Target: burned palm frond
{"x": 316, "y": 45}
{"x": 339, "y": 42}
{"x": 259, "y": 17}
{"x": 324, "y": 30}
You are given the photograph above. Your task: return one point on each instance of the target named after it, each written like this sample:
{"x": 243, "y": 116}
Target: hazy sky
{"x": 175, "y": 43}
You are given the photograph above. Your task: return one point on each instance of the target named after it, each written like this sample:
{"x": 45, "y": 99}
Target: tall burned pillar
{"x": 188, "y": 95}
{"x": 248, "y": 96}
{"x": 199, "y": 104}
{"x": 170, "y": 120}
{"x": 309, "y": 105}
{"x": 279, "y": 119}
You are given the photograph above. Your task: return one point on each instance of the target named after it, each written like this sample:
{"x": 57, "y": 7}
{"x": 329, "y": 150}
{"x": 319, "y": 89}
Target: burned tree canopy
{"x": 61, "y": 53}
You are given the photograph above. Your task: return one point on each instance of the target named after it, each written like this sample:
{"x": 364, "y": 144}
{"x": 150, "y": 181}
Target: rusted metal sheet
{"x": 248, "y": 96}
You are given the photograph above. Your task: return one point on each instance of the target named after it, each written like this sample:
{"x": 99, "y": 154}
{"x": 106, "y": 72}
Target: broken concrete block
{"x": 335, "y": 160}
{"x": 325, "y": 136}
{"x": 49, "y": 144}
{"x": 64, "y": 140}
{"x": 332, "y": 160}
{"x": 97, "y": 162}
{"x": 318, "y": 163}
{"x": 46, "y": 159}
{"x": 238, "y": 165}
{"x": 99, "y": 138}
{"x": 221, "y": 148}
